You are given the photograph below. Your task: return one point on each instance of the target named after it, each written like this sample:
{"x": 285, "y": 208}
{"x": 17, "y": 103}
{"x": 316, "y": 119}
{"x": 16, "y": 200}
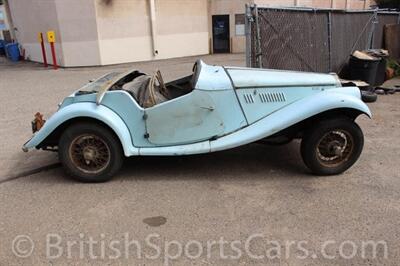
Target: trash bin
{"x": 364, "y": 69}
{"x": 381, "y": 72}
{"x": 12, "y": 51}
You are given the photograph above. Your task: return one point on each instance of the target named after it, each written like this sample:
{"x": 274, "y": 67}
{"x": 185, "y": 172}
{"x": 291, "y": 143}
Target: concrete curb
{"x": 30, "y": 172}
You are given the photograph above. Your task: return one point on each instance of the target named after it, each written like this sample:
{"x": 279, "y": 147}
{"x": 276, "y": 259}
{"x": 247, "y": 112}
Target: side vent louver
{"x": 248, "y": 98}
{"x": 270, "y": 97}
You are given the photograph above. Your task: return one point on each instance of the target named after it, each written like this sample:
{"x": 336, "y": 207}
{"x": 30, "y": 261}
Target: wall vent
{"x": 271, "y": 97}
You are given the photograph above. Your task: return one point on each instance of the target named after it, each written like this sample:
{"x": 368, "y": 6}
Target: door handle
{"x": 210, "y": 108}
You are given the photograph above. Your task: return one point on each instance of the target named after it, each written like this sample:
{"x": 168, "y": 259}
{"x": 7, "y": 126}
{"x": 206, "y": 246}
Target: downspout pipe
{"x": 9, "y": 20}
{"x": 153, "y": 26}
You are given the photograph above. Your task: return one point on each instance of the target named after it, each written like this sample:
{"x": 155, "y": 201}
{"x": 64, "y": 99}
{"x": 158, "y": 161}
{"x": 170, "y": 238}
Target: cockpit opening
{"x": 150, "y": 90}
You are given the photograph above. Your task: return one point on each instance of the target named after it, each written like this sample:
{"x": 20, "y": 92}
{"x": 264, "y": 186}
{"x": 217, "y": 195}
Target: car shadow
{"x": 251, "y": 161}
{"x": 254, "y": 161}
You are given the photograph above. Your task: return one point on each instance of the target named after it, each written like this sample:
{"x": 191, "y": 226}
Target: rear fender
{"x": 85, "y": 110}
{"x": 332, "y": 99}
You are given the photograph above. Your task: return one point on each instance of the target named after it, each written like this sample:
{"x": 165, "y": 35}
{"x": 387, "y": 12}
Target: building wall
{"x": 4, "y": 25}
{"x": 73, "y": 21}
{"x": 119, "y": 42}
{"x": 102, "y": 32}
{"x": 124, "y": 29}
{"x": 229, "y": 7}
{"x": 77, "y": 29}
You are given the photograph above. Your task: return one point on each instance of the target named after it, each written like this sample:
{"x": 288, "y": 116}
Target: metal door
{"x": 187, "y": 119}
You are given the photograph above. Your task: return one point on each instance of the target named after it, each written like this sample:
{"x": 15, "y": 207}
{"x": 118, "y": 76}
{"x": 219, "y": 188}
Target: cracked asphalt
{"x": 256, "y": 192}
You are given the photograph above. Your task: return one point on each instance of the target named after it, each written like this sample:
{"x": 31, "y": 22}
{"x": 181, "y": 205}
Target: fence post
{"x": 371, "y": 34}
{"x": 248, "y": 21}
{"x": 330, "y": 40}
{"x": 258, "y": 38}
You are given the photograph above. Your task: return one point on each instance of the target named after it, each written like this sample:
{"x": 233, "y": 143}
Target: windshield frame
{"x": 109, "y": 83}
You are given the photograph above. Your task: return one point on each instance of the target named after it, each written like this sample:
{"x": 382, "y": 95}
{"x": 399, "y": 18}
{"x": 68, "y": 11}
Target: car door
{"x": 188, "y": 119}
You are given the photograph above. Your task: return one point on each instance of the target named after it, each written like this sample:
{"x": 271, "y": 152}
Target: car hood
{"x": 250, "y": 77}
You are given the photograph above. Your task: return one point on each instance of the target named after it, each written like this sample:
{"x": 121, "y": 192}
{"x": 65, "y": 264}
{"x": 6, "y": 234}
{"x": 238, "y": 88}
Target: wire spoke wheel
{"x": 335, "y": 147}
{"x": 89, "y": 153}
{"x": 332, "y": 146}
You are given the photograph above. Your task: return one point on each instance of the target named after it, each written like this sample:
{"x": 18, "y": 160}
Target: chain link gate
{"x": 308, "y": 39}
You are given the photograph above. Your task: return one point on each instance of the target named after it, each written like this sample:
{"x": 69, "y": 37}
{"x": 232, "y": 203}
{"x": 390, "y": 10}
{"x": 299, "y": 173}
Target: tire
{"x": 368, "y": 96}
{"x": 90, "y": 152}
{"x": 332, "y": 146}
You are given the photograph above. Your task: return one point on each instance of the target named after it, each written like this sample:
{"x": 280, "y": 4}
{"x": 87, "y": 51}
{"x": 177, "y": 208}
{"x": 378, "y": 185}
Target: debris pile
{"x": 369, "y": 70}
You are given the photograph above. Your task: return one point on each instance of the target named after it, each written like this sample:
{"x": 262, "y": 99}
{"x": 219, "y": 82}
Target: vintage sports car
{"x": 214, "y": 109}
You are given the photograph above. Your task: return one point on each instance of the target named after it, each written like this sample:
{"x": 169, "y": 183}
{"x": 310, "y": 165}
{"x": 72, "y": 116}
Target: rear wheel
{"x": 332, "y": 146}
{"x": 90, "y": 152}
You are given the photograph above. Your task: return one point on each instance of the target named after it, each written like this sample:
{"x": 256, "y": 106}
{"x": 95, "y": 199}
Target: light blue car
{"x": 214, "y": 109}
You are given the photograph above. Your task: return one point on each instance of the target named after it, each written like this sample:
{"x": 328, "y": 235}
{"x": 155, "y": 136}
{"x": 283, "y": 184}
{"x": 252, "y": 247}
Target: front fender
{"x": 341, "y": 97}
{"x": 89, "y": 110}
{"x": 347, "y": 97}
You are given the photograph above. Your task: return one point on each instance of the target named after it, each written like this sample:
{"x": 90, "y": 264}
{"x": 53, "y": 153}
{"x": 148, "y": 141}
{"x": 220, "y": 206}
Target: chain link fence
{"x": 305, "y": 39}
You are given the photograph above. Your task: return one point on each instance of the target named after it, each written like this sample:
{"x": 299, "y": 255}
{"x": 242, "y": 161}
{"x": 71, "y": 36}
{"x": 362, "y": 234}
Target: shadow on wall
{"x": 107, "y": 2}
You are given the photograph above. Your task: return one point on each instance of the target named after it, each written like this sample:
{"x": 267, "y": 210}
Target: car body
{"x": 214, "y": 109}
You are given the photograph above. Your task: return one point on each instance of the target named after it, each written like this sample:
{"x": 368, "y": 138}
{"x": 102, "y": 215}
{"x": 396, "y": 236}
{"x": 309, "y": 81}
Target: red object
{"x": 53, "y": 54}
{"x": 43, "y": 50}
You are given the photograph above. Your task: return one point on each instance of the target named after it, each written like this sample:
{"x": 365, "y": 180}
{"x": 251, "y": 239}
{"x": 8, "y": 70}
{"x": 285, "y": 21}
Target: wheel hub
{"x": 90, "y": 153}
{"x": 334, "y": 148}
{"x": 338, "y": 150}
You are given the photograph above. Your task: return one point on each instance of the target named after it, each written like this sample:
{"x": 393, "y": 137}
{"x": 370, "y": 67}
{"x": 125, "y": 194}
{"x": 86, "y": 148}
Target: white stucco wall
{"x": 125, "y": 30}
{"x": 77, "y": 28}
{"x": 102, "y": 32}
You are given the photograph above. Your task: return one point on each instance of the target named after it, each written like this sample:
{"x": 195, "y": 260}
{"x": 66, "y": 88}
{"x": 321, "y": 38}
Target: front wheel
{"x": 332, "y": 146}
{"x": 90, "y": 152}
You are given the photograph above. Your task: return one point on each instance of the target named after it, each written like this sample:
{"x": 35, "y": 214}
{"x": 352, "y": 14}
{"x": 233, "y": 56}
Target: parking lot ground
{"x": 259, "y": 200}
